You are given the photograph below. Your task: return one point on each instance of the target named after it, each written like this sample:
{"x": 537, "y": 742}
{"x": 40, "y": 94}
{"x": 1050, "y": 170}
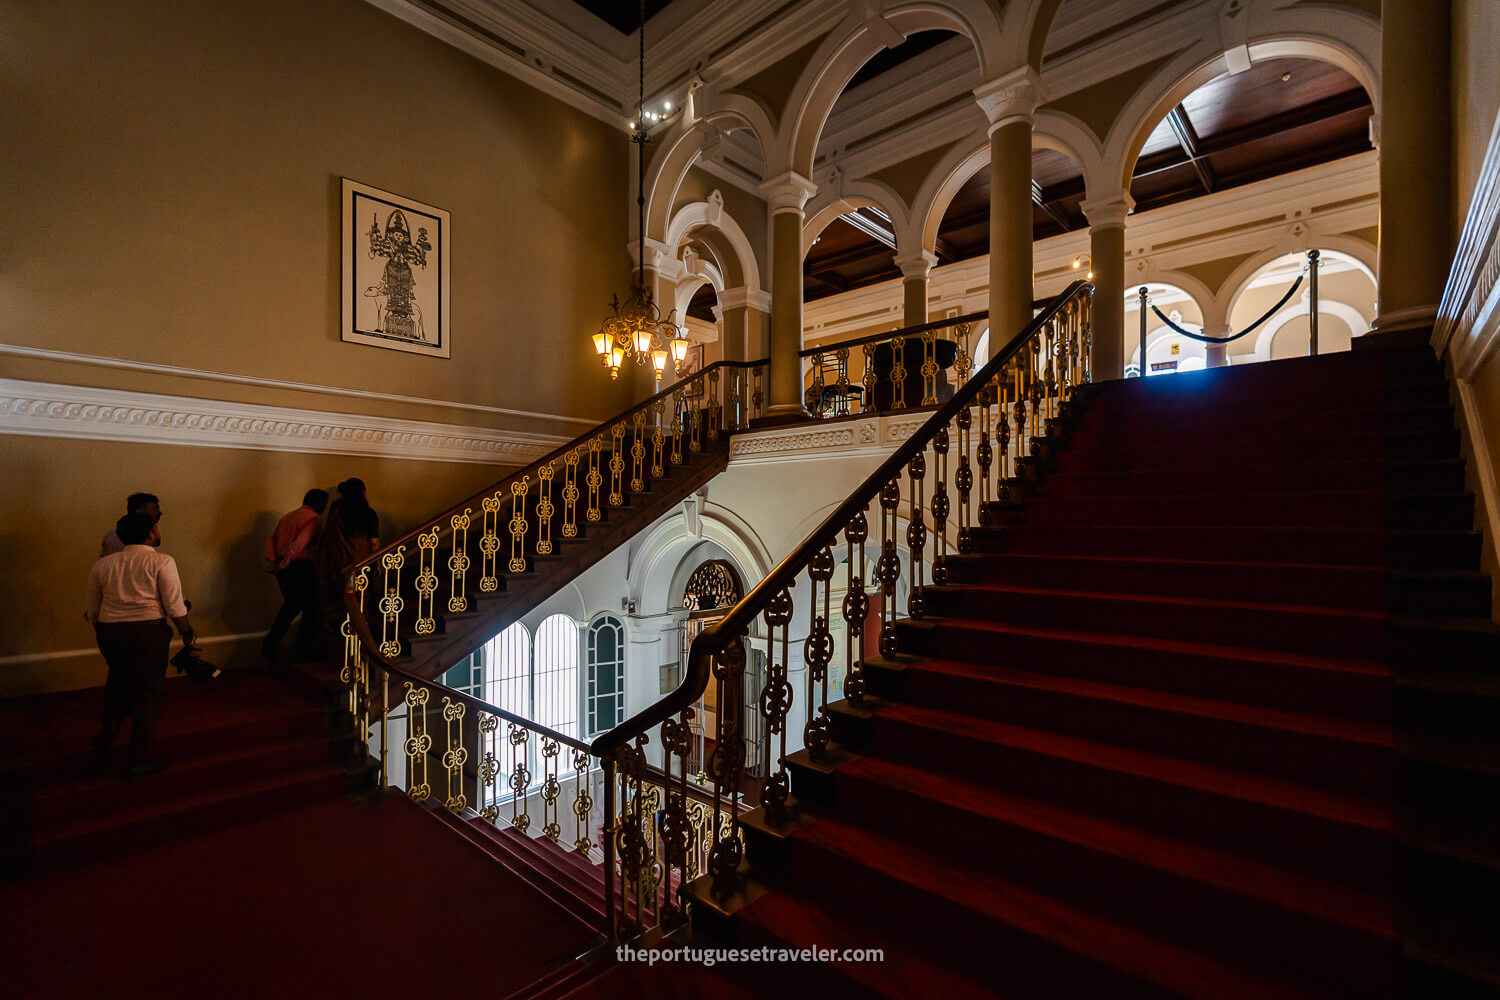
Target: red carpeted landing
{"x": 336, "y": 899}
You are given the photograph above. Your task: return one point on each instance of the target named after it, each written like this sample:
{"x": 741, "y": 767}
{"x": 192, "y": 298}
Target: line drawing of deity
{"x": 396, "y": 309}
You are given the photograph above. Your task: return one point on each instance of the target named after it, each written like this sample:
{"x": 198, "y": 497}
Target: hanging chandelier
{"x": 635, "y": 330}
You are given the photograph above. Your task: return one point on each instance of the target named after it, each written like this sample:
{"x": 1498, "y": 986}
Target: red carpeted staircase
{"x": 1208, "y": 711}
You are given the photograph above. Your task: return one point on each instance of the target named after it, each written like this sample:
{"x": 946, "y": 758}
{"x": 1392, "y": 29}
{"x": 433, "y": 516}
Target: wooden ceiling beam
{"x": 1187, "y": 139}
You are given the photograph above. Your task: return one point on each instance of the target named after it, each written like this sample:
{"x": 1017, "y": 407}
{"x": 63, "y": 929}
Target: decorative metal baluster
{"x": 759, "y": 396}
{"x": 356, "y": 672}
{"x": 677, "y": 401}
{"x": 658, "y": 469}
{"x": 817, "y": 653}
{"x": 963, "y": 363}
{"x": 418, "y": 743}
{"x": 489, "y": 546}
{"x": 695, "y": 438}
{"x": 1036, "y": 394}
{"x": 630, "y": 837}
{"x": 1086, "y": 311}
{"x": 728, "y": 760}
{"x": 714, "y": 415}
{"x": 984, "y": 455}
{"x": 638, "y": 452}
{"x": 888, "y": 569}
{"x": 1049, "y": 375}
{"x": 814, "y": 396}
{"x": 583, "y": 803}
{"x": 455, "y": 756}
{"x": 617, "y": 466}
{"x": 776, "y": 703}
{"x": 426, "y": 583}
{"x": 551, "y": 789}
{"x": 520, "y": 776}
{"x": 868, "y": 379}
{"x": 898, "y": 373}
{"x": 963, "y": 478}
{"x": 518, "y": 492}
{"x": 856, "y": 610}
{"x": 594, "y": 479}
{"x": 916, "y": 532}
{"x": 392, "y": 603}
{"x": 458, "y": 562}
{"x": 841, "y": 387}
{"x": 929, "y": 368}
{"x": 940, "y": 507}
{"x": 674, "y": 828}
{"x": 1002, "y": 437}
{"x": 570, "y": 494}
{"x": 489, "y": 767}
{"x": 1018, "y": 412}
{"x": 544, "y": 509}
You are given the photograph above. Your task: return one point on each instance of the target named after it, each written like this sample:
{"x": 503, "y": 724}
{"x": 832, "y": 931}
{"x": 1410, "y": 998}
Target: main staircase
{"x": 1207, "y": 710}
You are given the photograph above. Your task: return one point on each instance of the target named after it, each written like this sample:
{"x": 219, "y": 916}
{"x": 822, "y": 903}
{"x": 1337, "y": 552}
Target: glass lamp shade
{"x": 659, "y": 361}
{"x": 679, "y": 349}
{"x": 643, "y": 341}
{"x": 601, "y": 343}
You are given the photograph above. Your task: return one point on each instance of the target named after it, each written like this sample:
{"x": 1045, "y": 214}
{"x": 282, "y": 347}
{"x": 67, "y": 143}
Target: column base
{"x": 781, "y": 414}
{"x": 1413, "y": 318}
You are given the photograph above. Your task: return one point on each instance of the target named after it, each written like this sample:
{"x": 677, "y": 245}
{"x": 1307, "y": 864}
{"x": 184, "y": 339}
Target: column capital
{"x": 1108, "y": 212}
{"x": 1010, "y": 98}
{"x": 788, "y": 192}
{"x": 742, "y": 297}
{"x": 659, "y": 258}
{"x": 916, "y": 266}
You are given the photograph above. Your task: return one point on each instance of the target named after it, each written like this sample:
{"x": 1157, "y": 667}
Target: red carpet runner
{"x": 1143, "y": 745}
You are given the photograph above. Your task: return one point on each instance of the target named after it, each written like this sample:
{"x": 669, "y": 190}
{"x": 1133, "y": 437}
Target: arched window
{"x": 555, "y": 675}
{"x": 507, "y": 670}
{"x": 604, "y": 693}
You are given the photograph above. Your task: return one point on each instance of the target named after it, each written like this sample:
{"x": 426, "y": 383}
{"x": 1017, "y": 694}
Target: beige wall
{"x": 171, "y": 174}
{"x": 1476, "y": 94}
{"x": 218, "y": 506}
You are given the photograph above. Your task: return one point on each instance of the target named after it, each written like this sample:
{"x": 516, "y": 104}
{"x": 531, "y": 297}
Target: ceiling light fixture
{"x": 635, "y": 330}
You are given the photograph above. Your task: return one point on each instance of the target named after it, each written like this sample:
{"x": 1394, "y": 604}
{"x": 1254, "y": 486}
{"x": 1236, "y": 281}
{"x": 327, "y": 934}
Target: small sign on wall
{"x": 395, "y": 271}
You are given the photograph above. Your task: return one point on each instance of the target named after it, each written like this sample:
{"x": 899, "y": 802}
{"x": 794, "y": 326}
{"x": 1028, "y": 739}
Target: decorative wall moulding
{"x": 44, "y": 409}
{"x": 870, "y": 436}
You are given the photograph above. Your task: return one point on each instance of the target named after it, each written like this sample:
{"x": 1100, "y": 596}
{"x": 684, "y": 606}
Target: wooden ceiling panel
{"x": 1232, "y": 102}
{"x": 622, "y": 15}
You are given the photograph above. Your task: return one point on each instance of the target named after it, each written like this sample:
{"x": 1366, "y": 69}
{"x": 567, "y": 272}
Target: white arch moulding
{"x": 1359, "y": 251}
{"x": 851, "y": 45}
{"x": 683, "y": 143}
{"x": 653, "y": 564}
{"x": 711, "y": 214}
{"x": 823, "y": 209}
{"x": 1344, "y": 37}
{"x": 1266, "y": 339}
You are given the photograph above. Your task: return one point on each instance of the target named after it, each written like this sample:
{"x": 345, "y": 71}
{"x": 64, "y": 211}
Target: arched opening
{"x": 1167, "y": 350}
{"x": 1346, "y": 307}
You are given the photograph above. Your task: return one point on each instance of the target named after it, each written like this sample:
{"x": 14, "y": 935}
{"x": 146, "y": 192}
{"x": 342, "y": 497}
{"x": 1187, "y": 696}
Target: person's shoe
{"x": 103, "y": 738}
{"x": 147, "y": 769}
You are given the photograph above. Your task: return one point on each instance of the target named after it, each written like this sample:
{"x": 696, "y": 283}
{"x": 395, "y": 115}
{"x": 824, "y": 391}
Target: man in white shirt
{"x": 131, "y": 595}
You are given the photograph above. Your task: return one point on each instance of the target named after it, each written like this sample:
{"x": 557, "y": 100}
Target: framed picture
{"x": 395, "y": 272}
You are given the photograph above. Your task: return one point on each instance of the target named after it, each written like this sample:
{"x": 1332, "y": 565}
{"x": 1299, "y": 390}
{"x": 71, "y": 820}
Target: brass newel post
{"x": 1142, "y": 372}
{"x": 1312, "y": 302}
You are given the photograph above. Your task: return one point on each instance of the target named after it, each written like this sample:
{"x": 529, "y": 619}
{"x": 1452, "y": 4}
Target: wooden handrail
{"x": 738, "y": 619}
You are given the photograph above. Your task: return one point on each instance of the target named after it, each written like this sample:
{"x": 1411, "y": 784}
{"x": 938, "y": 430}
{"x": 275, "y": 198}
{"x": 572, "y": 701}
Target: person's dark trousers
{"x": 299, "y": 593}
{"x": 137, "y": 656}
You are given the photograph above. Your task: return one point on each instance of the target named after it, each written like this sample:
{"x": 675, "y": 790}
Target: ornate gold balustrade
{"x": 847, "y": 377}
{"x": 984, "y": 445}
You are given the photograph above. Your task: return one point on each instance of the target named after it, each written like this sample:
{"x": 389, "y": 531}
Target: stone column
{"x": 914, "y": 271}
{"x": 1216, "y": 355}
{"x": 1412, "y": 131}
{"x": 741, "y": 313}
{"x": 1107, "y": 259}
{"x": 786, "y": 195}
{"x": 1008, "y": 103}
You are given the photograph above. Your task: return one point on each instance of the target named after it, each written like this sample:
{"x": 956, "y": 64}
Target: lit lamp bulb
{"x": 643, "y": 342}
{"x": 679, "y": 352}
{"x": 601, "y": 344}
{"x": 1090, "y": 276}
{"x": 659, "y": 361}
{"x": 616, "y": 355}
{"x": 1077, "y": 263}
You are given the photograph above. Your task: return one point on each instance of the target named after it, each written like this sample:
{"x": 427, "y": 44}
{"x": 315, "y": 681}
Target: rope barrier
{"x": 1247, "y": 330}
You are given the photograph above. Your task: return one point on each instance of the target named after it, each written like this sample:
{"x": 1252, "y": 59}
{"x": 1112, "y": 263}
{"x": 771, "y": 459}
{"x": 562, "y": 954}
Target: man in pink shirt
{"x": 289, "y": 554}
{"x": 131, "y": 595}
